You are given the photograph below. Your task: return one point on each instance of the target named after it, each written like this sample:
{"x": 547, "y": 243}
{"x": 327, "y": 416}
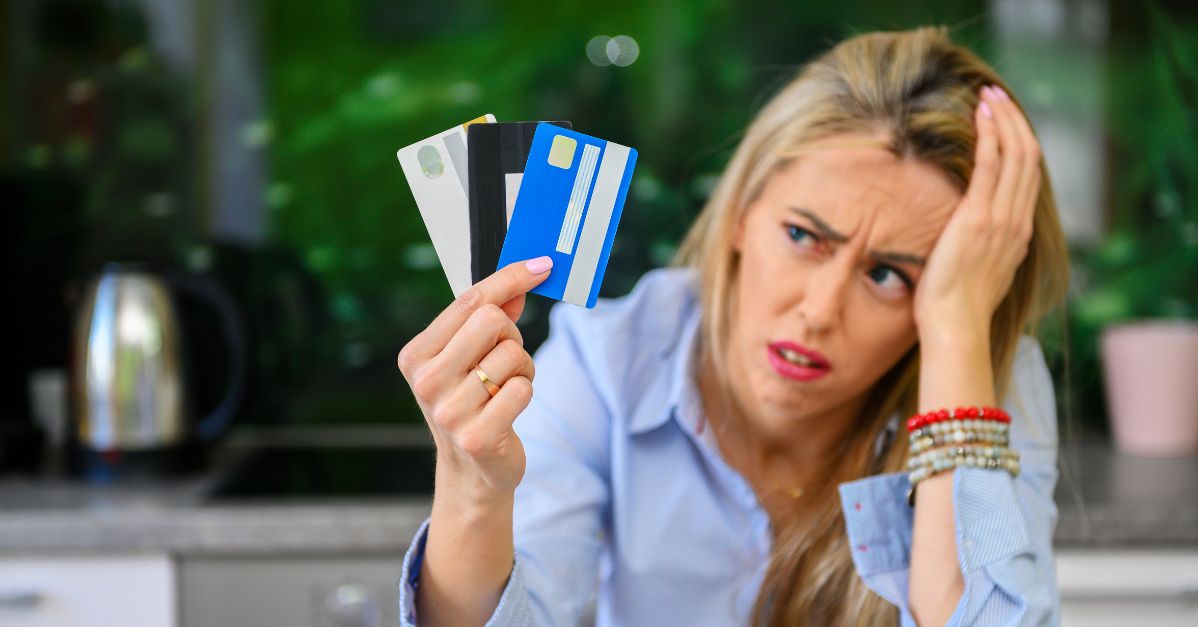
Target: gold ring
{"x": 492, "y": 389}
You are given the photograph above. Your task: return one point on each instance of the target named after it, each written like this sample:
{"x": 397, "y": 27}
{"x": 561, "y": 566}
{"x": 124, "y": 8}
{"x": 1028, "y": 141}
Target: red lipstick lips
{"x": 817, "y": 367}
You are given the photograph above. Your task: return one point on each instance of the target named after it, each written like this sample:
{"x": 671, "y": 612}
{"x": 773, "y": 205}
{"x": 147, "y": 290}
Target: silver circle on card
{"x": 430, "y": 161}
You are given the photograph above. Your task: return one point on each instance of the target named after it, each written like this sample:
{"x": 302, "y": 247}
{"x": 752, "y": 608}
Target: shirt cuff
{"x": 878, "y": 523}
{"x": 990, "y": 523}
{"x": 513, "y": 603}
{"x": 991, "y": 530}
{"x": 989, "y": 527}
{"x": 409, "y": 576}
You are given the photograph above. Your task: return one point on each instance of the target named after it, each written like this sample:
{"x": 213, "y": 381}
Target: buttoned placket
{"x": 692, "y": 420}
{"x": 687, "y": 413}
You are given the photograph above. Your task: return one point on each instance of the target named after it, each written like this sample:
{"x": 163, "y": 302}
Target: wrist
{"x": 955, "y": 368}
{"x": 955, "y": 335}
{"x": 458, "y": 486}
{"x": 471, "y": 509}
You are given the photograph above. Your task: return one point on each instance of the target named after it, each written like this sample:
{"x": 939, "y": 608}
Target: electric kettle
{"x": 129, "y": 374}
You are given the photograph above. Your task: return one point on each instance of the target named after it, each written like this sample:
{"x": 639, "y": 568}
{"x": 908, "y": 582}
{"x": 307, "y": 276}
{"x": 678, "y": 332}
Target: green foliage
{"x": 1148, "y": 266}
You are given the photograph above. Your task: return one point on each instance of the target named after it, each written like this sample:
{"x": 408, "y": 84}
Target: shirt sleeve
{"x": 1004, "y": 525}
{"x": 507, "y": 612}
{"x": 563, "y": 498}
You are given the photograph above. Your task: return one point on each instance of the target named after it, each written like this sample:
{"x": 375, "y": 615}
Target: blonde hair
{"x": 920, "y": 89}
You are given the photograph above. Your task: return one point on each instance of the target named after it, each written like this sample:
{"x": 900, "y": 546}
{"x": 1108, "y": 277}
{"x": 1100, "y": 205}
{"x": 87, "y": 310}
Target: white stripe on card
{"x": 511, "y": 184}
{"x": 455, "y": 145}
{"x": 594, "y": 230}
{"x": 578, "y": 198}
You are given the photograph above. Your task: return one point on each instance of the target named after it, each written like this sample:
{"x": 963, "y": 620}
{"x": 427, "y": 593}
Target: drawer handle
{"x": 353, "y": 605}
{"x": 20, "y": 600}
{"x": 1183, "y": 595}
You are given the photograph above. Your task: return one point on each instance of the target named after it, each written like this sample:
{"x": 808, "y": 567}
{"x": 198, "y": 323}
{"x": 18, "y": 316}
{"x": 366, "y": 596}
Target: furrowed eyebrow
{"x": 899, "y": 258}
{"x": 821, "y": 226}
{"x": 838, "y": 237}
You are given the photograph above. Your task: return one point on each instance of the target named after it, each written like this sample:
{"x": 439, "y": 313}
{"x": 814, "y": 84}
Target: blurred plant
{"x": 1147, "y": 266}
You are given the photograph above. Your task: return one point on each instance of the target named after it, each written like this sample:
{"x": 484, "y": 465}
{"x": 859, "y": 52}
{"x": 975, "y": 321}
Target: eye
{"x": 889, "y": 278}
{"x": 798, "y": 233}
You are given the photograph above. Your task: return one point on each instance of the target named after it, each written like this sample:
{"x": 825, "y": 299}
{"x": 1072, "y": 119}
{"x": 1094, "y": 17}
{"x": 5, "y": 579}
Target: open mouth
{"x": 795, "y": 362}
{"x": 799, "y": 358}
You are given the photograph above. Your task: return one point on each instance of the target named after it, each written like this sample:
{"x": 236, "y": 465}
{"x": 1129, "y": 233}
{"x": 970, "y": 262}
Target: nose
{"x": 823, "y": 299}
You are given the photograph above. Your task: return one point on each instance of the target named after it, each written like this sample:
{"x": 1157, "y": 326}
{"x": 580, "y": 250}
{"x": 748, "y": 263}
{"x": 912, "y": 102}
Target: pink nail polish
{"x": 1002, "y": 94}
{"x": 986, "y": 110}
{"x": 986, "y": 93}
{"x": 539, "y": 264}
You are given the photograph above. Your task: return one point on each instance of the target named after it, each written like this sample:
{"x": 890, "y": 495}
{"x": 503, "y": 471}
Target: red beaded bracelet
{"x": 961, "y": 413}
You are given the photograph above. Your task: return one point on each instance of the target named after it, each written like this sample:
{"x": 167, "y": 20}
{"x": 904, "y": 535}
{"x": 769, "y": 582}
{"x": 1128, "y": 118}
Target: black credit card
{"x": 497, "y": 154}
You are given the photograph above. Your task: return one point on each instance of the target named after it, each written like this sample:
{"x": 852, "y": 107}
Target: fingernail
{"x": 539, "y": 265}
{"x": 986, "y": 110}
{"x": 986, "y": 92}
{"x": 1002, "y": 94}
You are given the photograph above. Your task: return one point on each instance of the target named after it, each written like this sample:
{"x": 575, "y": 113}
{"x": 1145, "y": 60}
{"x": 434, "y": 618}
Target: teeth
{"x": 797, "y": 358}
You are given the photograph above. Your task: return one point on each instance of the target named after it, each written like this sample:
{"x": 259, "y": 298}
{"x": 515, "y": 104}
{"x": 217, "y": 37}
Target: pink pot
{"x": 1151, "y": 371}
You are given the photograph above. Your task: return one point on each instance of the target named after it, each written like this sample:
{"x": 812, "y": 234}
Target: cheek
{"x": 765, "y": 259}
{"x": 887, "y": 335}
{"x": 769, "y": 282}
{"x": 757, "y": 297}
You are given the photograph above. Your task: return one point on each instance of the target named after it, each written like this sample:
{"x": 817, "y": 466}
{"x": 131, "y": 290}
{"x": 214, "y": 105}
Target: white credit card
{"x": 436, "y": 169}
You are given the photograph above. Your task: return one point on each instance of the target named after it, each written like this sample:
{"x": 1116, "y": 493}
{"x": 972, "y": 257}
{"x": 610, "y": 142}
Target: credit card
{"x": 497, "y": 153}
{"x": 569, "y": 206}
{"x": 437, "y": 169}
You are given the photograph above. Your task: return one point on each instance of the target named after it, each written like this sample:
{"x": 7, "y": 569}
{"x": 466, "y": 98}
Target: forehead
{"x": 848, "y": 183}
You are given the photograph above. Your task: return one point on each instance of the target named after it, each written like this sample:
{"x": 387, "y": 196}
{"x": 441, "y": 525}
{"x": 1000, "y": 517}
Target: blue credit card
{"x": 568, "y": 208}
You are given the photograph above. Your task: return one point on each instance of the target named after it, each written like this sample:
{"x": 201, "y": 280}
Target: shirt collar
{"x": 681, "y": 396}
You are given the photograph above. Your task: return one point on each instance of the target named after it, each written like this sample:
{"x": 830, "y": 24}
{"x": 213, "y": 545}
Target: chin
{"x": 782, "y": 396}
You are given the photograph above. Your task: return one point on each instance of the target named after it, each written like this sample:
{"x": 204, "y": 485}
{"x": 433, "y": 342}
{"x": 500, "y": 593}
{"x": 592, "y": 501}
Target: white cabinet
{"x": 290, "y": 591}
{"x": 1098, "y": 588}
{"x": 89, "y": 591}
{"x": 1128, "y": 587}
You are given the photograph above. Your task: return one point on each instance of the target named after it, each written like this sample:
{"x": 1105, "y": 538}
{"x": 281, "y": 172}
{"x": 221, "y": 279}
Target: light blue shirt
{"x": 626, "y": 495}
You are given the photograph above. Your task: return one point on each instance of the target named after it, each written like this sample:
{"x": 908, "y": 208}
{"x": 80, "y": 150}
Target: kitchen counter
{"x": 1111, "y": 500}
{"x": 1105, "y": 500}
{"x": 183, "y": 516}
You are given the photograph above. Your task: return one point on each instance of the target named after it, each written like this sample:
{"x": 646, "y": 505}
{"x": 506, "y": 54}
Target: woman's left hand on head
{"x": 973, "y": 263}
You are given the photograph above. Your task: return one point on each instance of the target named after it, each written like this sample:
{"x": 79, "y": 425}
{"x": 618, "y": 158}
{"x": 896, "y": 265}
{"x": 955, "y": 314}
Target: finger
{"x": 486, "y": 327}
{"x": 1010, "y": 148}
{"x": 986, "y": 157}
{"x": 507, "y": 360}
{"x": 514, "y": 307}
{"x": 1029, "y": 191}
{"x": 490, "y": 432}
{"x": 501, "y": 287}
{"x": 498, "y": 415}
{"x": 482, "y": 332}
{"x": 1030, "y": 202}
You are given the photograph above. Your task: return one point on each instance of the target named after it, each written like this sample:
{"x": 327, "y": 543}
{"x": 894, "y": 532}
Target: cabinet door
{"x": 87, "y": 591}
{"x": 1128, "y": 587}
{"x": 290, "y": 591}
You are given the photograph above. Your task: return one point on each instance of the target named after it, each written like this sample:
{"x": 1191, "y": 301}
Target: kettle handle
{"x": 234, "y": 331}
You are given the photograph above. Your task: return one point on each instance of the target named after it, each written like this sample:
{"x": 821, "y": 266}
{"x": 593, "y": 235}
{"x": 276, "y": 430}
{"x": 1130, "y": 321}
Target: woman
{"x": 728, "y": 444}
